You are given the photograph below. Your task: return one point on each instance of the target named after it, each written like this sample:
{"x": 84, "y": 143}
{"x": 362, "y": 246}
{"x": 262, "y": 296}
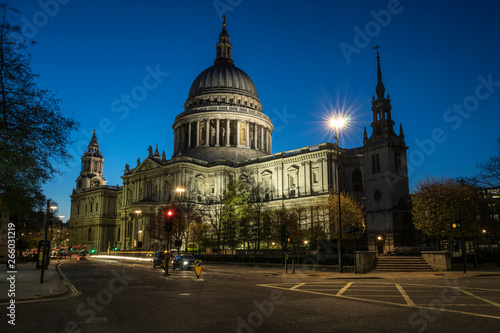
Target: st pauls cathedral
{"x": 223, "y": 134}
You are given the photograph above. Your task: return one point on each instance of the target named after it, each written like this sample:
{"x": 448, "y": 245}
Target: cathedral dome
{"x": 223, "y": 77}
{"x": 223, "y": 84}
{"x": 222, "y": 117}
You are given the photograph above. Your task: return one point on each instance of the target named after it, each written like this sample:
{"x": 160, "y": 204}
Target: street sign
{"x": 197, "y": 268}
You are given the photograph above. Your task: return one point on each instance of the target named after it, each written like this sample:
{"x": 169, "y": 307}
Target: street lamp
{"x": 45, "y": 256}
{"x": 136, "y": 228}
{"x": 339, "y": 123}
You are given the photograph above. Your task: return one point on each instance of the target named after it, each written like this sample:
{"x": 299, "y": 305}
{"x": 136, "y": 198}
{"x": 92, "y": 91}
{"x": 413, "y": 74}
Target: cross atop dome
{"x": 223, "y": 47}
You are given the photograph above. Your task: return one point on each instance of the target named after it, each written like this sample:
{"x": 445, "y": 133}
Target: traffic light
{"x": 115, "y": 248}
{"x": 168, "y": 222}
{"x": 71, "y": 248}
{"x": 456, "y": 224}
{"x": 92, "y": 251}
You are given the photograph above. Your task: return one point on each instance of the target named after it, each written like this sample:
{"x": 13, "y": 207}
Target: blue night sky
{"x": 439, "y": 65}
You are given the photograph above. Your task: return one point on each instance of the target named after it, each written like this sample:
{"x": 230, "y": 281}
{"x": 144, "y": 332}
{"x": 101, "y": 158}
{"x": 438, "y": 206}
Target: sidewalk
{"x": 27, "y": 283}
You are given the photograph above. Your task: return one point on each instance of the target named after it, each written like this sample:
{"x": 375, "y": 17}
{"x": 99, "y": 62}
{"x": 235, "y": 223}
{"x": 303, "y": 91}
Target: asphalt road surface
{"x": 116, "y": 296}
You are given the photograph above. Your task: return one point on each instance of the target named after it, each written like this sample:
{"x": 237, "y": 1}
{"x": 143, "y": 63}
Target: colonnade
{"x": 206, "y": 132}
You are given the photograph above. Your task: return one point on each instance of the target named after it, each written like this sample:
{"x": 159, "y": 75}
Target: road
{"x": 131, "y": 297}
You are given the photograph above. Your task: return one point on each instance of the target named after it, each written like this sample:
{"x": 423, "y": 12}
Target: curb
{"x": 70, "y": 289}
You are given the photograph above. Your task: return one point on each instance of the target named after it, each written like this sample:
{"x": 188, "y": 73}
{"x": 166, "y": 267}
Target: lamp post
{"x": 45, "y": 249}
{"x": 136, "y": 229}
{"x": 338, "y": 123}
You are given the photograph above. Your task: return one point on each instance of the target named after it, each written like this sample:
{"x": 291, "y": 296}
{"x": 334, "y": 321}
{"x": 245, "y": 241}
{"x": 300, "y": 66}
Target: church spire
{"x": 223, "y": 47}
{"x": 93, "y": 145}
{"x": 380, "y": 90}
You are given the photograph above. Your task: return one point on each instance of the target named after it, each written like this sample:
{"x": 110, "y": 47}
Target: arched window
{"x": 357, "y": 181}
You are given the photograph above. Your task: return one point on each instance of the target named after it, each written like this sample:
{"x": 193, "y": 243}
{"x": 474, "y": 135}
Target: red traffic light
{"x": 170, "y": 213}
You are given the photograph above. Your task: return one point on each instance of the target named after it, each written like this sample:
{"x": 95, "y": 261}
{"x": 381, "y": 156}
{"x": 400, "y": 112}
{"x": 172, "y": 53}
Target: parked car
{"x": 82, "y": 256}
{"x": 183, "y": 261}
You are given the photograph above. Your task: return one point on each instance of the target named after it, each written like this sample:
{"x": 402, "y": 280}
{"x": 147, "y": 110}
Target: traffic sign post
{"x": 197, "y": 268}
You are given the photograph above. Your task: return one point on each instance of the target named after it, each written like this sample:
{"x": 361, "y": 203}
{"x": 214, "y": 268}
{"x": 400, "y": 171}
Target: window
{"x": 375, "y": 163}
{"x": 357, "y": 181}
{"x": 96, "y": 206}
{"x": 91, "y": 207}
{"x": 78, "y": 209}
{"x": 397, "y": 161}
{"x": 315, "y": 176}
{"x": 118, "y": 236}
{"x": 89, "y": 235}
{"x": 149, "y": 188}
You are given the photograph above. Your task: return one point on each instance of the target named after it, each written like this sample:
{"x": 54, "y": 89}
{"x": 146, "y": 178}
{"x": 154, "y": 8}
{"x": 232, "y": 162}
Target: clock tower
{"x": 91, "y": 174}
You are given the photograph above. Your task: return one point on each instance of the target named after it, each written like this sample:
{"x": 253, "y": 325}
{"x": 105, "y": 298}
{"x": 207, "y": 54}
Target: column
{"x": 237, "y": 132}
{"x": 207, "y": 132}
{"x": 270, "y": 143}
{"x": 255, "y": 136}
{"x": 228, "y": 122}
{"x": 262, "y": 138}
{"x": 248, "y": 134}
{"x": 175, "y": 141}
{"x": 189, "y": 135}
{"x": 197, "y": 132}
{"x": 217, "y": 121}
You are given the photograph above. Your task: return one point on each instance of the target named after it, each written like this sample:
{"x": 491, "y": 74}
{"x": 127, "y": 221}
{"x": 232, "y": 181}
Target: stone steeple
{"x": 381, "y": 107}
{"x": 224, "y": 46}
{"x": 91, "y": 173}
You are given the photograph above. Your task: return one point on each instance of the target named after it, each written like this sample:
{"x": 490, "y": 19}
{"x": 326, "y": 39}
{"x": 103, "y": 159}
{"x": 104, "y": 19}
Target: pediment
{"x": 146, "y": 165}
{"x": 266, "y": 173}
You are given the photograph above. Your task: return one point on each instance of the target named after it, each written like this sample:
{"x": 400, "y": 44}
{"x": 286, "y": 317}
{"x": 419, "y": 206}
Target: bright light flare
{"x": 340, "y": 115}
{"x": 338, "y": 123}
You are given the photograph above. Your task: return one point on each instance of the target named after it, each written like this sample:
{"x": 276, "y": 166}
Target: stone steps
{"x": 402, "y": 264}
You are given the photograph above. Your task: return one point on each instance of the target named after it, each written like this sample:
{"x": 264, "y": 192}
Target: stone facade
{"x": 223, "y": 134}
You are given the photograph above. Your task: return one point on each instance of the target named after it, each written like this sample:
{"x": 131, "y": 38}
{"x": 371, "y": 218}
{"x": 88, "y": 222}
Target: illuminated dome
{"x": 222, "y": 118}
{"x": 223, "y": 83}
{"x": 223, "y": 77}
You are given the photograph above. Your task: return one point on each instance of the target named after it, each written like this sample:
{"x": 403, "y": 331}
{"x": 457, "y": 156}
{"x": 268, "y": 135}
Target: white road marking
{"x": 341, "y": 291}
{"x": 405, "y": 295}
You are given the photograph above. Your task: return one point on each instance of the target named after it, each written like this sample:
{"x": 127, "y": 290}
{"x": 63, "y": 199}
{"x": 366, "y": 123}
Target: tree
{"x": 489, "y": 171}
{"x": 235, "y": 209}
{"x": 34, "y": 134}
{"x": 437, "y": 202}
{"x": 352, "y": 212}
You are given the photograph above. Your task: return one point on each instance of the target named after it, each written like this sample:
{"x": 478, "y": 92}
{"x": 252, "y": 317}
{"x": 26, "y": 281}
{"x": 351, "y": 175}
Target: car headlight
{"x": 185, "y": 263}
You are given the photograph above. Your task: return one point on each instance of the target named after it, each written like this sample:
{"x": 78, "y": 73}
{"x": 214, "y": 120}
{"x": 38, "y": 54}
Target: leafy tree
{"x": 437, "y": 202}
{"x": 34, "y": 134}
{"x": 352, "y": 212}
{"x": 235, "y": 207}
{"x": 197, "y": 235}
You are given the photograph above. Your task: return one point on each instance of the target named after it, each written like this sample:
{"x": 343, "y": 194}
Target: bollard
{"x": 293, "y": 266}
